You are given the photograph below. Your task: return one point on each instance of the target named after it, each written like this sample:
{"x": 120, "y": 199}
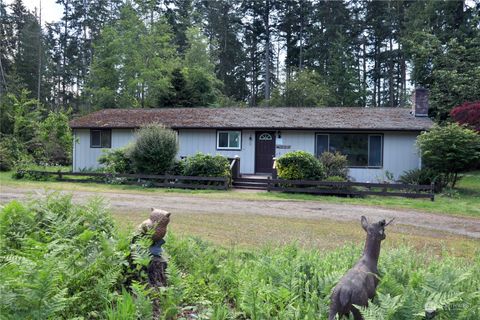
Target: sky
{"x": 51, "y": 11}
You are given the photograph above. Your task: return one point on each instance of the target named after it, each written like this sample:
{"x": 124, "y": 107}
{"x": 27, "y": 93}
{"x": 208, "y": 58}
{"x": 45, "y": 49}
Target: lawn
{"x": 255, "y": 231}
{"x": 463, "y": 201}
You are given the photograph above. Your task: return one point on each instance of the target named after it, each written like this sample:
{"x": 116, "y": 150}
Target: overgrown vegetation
{"x": 61, "y": 261}
{"x": 335, "y": 165}
{"x": 29, "y": 134}
{"x": 299, "y": 165}
{"x": 116, "y": 160}
{"x": 154, "y": 149}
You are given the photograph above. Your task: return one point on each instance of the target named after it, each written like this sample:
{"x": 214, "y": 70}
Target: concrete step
{"x": 260, "y": 184}
{"x": 250, "y": 187}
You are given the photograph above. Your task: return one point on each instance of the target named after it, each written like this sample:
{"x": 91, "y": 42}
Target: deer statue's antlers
{"x": 389, "y": 222}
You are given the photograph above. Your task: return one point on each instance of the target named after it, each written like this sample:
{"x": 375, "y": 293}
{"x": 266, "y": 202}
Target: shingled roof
{"x": 398, "y": 119}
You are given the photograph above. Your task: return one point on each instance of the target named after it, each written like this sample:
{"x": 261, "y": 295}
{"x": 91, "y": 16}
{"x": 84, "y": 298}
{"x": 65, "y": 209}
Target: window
{"x": 229, "y": 140}
{"x": 100, "y": 138}
{"x": 361, "y": 149}
{"x": 265, "y": 137}
{"x": 375, "y": 151}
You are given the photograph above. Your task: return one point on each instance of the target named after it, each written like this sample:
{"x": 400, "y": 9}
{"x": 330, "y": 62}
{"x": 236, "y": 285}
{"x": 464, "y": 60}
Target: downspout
{"x": 73, "y": 151}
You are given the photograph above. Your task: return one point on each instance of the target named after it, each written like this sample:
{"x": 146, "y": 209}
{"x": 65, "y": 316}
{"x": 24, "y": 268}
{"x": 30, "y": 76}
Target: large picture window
{"x": 361, "y": 149}
{"x": 229, "y": 140}
{"x": 101, "y": 138}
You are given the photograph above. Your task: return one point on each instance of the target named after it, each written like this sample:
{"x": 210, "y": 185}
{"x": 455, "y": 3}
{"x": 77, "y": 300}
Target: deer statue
{"x": 358, "y": 285}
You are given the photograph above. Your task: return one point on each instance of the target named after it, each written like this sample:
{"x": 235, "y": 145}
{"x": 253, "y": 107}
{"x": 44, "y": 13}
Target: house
{"x": 375, "y": 140}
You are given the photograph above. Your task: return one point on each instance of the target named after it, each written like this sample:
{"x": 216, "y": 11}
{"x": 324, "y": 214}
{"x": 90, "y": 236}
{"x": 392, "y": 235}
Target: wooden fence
{"x": 165, "y": 181}
{"x": 352, "y": 188}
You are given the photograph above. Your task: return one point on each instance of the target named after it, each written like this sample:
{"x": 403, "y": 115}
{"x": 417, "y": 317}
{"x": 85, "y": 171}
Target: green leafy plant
{"x": 154, "y": 149}
{"x": 56, "y": 138}
{"x": 116, "y": 160}
{"x": 59, "y": 260}
{"x": 206, "y": 165}
{"x": 299, "y": 165}
{"x": 424, "y": 176}
{"x": 335, "y": 164}
{"x": 449, "y": 150}
{"x": 178, "y": 168}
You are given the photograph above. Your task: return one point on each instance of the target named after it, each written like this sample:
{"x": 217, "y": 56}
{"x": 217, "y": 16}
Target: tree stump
{"x": 157, "y": 272}
{"x": 157, "y": 278}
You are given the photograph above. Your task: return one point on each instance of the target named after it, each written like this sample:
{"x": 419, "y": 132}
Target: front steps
{"x": 250, "y": 183}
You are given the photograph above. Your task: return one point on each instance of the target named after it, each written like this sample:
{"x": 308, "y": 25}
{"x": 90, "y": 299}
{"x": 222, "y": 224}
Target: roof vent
{"x": 420, "y": 103}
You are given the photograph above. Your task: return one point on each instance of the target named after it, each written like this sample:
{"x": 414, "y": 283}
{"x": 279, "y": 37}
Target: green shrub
{"x": 178, "y": 168}
{"x": 11, "y": 151}
{"x": 6, "y": 158}
{"x": 449, "y": 150}
{"x": 335, "y": 179}
{"x": 55, "y": 138}
{"x": 116, "y": 160}
{"x": 154, "y": 150}
{"x": 424, "y": 176}
{"x": 299, "y": 165}
{"x": 335, "y": 164}
{"x": 206, "y": 165}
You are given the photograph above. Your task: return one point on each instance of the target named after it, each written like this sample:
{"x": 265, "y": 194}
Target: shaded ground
{"x": 311, "y": 211}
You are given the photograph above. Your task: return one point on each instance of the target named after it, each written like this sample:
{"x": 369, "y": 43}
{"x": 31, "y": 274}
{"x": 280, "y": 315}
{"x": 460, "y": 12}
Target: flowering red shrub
{"x": 467, "y": 113}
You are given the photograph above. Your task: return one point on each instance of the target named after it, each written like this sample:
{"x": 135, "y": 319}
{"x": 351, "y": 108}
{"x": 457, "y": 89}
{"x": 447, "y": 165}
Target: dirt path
{"x": 315, "y": 210}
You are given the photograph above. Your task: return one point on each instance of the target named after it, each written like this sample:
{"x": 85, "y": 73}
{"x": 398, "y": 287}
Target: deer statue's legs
{"x": 331, "y": 314}
{"x": 356, "y": 314}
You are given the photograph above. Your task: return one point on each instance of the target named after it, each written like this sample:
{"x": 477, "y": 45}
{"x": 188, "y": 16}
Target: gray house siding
{"x": 191, "y": 141}
{"x": 85, "y": 157}
{"x": 399, "y": 154}
{"x": 399, "y": 150}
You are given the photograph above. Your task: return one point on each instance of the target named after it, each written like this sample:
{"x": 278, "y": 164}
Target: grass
{"x": 252, "y": 231}
{"x": 464, "y": 201}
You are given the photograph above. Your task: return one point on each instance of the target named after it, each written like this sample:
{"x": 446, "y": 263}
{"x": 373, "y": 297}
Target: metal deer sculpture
{"x": 358, "y": 285}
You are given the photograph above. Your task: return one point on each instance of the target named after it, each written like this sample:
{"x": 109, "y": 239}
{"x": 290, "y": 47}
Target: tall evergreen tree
{"x": 222, "y": 25}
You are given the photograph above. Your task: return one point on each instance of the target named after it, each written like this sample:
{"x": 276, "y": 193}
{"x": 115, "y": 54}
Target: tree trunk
{"x": 267, "y": 52}
{"x": 157, "y": 278}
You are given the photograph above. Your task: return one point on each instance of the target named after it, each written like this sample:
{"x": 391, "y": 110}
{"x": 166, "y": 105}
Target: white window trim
{"x": 228, "y": 132}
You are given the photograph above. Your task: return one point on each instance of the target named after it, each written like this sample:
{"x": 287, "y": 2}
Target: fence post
{"x": 269, "y": 184}
{"x": 225, "y": 184}
{"x": 274, "y": 169}
{"x": 432, "y": 191}
{"x": 60, "y": 176}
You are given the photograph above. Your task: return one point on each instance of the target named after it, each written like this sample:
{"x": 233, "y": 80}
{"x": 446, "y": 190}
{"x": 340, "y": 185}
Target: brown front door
{"x": 264, "y": 151}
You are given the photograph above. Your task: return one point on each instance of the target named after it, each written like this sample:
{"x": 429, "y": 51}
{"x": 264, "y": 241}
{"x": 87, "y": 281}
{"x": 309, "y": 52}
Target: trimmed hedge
{"x": 299, "y": 165}
{"x": 206, "y": 165}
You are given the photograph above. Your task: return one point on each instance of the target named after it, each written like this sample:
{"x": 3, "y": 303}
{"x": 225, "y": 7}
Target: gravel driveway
{"x": 315, "y": 210}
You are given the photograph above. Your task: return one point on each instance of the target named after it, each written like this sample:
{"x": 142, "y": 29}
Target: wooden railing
{"x": 352, "y": 188}
{"x": 165, "y": 181}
